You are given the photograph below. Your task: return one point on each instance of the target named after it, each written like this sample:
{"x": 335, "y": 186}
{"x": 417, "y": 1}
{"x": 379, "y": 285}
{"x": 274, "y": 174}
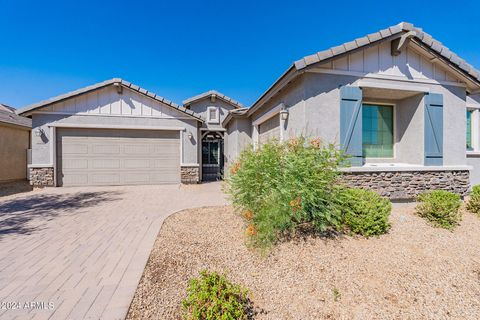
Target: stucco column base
{"x": 42, "y": 177}
{"x": 189, "y": 174}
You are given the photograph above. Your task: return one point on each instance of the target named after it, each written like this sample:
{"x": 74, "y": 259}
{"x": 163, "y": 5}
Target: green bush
{"x": 281, "y": 186}
{"x": 441, "y": 208}
{"x": 473, "y": 204}
{"x": 364, "y": 212}
{"x": 211, "y": 296}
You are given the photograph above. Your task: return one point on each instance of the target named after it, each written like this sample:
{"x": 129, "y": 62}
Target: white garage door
{"x": 269, "y": 129}
{"x": 117, "y": 157}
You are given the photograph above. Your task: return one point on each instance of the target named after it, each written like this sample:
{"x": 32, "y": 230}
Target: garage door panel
{"x": 137, "y": 178}
{"x": 117, "y": 157}
{"x": 105, "y": 164}
{"x": 139, "y": 149}
{"x": 103, "y": 148}
{"x": 75, "y": 163}
{"x": 112, "y": 178}
{"x": 136, "y": 163}
{"x": 166, "y": 163}
{"x": 74, "y": 179}
{"x": 75, "y": 148}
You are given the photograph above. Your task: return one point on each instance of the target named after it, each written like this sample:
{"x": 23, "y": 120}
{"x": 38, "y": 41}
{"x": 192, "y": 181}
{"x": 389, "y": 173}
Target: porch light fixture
{"x": 189, "y": 135}
{"x": 38, "y": 132}
{"x": 284, "y": 113}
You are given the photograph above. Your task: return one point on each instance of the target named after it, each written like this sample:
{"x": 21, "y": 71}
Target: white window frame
{"x": 215, "y": 120}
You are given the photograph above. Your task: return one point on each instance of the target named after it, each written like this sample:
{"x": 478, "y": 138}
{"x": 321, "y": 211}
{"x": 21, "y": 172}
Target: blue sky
{"x": 178, "y": 49}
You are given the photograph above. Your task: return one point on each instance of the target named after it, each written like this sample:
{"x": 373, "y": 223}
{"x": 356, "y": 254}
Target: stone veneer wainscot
{"x": 190, "y": 174}
{"x": 42, "y": 177}
{"x": 408, "y": 184}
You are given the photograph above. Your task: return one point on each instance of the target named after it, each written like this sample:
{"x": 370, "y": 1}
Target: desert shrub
{"x": 441, "y": 208}
{"x": 280, "y": 186}
{"x": 364, "y": 211}
{"x": 473, "y": 204}
{"x": 212, "y": 296}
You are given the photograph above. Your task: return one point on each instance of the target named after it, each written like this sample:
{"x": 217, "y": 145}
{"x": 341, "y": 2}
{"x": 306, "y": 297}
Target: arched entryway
{"x": 212, "y": 156}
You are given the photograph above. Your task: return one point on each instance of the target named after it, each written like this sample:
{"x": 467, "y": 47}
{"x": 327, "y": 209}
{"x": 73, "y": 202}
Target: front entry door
{"x": 212, "y": 158}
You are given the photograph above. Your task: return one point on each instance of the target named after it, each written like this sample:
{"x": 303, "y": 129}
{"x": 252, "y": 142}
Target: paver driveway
{"x": 84, "y": 250}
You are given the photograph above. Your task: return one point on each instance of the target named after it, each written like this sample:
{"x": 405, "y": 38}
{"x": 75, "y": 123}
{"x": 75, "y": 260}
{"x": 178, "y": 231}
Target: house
{"x": 401, "y": 104}
{"x": 116, "y": 133}
{"x": 14, "y": 143}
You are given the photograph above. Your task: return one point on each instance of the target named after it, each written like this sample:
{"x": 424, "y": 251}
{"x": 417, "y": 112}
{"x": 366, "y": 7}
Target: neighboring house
{"x": 14, "y": 144}
{"x": 116, "y": 133}
{"x": 402, "y": 105}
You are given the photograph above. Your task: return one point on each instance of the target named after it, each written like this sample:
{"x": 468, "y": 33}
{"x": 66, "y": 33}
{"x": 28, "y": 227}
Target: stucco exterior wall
{"x": 201, "y": 108}
{"x": 409, "y": 127}
{"x": 237, "y": 137}
{"x": 14, "y": 142}
{"x": 41, "y": 153}
{"x": 474, "y": 162}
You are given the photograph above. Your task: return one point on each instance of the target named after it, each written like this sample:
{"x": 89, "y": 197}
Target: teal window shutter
{"x": 433, "y": 129}
{"x": 469, "y": 130}
{"x": 351, "y": 123}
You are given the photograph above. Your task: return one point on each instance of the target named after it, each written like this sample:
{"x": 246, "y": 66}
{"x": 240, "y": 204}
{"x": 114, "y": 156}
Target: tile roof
{"x": 403, "y": 27}
{"x": 106, "y": 83}
{"x": 424, "y": 37}
{"x": 210, "y": 93}
{"x": 8, "y": 115}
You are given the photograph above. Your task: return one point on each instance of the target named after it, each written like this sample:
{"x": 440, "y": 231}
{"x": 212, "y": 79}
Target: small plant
{"x": 211, "y": 296}
{"x": 441, "y": 208}
{"x": 473, "y": 204}
{"x": 364, "y": 211}
{"x": 336, "y": 294}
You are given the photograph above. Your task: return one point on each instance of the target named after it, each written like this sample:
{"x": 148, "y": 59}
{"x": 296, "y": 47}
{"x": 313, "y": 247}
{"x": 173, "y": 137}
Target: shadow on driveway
{"x": 16, "y": 214}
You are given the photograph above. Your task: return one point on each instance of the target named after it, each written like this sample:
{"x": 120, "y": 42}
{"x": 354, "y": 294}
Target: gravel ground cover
{"x": 413, "y": 272}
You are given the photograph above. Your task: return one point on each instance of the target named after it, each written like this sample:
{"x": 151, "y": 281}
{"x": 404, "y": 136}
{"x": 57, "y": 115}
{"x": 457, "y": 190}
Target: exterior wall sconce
{"x": 284, "y": 113}
{"x": 38, "y": 132}
{"x": 189, "y": 135}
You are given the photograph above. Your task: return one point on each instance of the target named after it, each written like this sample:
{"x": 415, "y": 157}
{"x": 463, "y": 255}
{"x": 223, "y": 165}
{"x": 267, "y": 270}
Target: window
{"x": 377, "y": 131}
{"x": 210, "y": 154}
{"x": 212, "y": 115}
{"x": 469, "y": 130}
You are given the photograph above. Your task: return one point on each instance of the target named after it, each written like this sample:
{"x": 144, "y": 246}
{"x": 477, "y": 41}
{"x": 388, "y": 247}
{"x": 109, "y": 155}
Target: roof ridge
{"x": 103, "y": 84}
{"x": 208, "y": 93}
